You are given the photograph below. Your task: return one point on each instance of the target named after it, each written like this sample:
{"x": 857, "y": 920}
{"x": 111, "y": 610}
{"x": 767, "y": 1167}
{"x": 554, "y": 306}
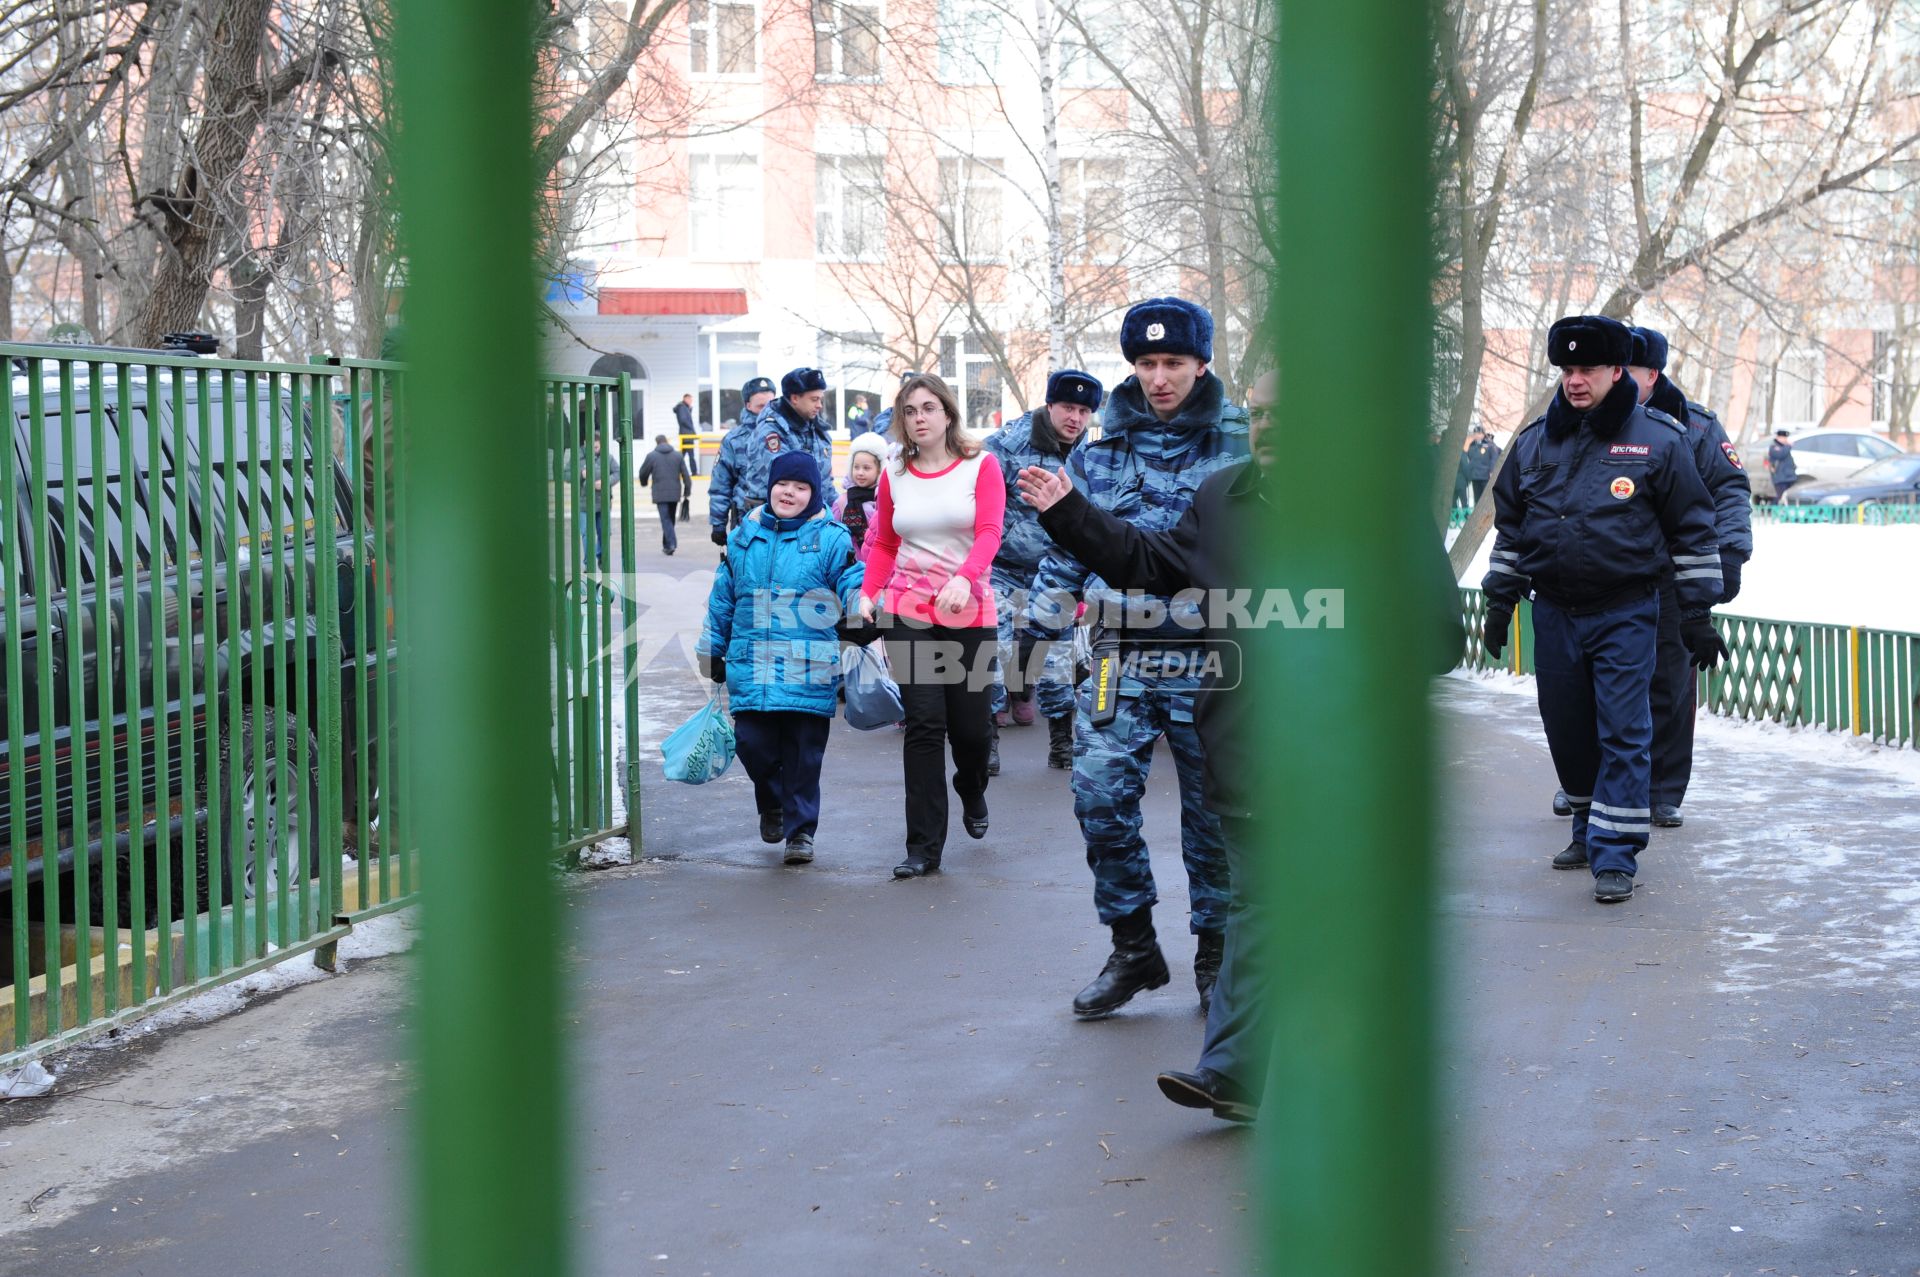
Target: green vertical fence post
{"x": 1348, "y": 1128}
{"x": 489, "y": 1176}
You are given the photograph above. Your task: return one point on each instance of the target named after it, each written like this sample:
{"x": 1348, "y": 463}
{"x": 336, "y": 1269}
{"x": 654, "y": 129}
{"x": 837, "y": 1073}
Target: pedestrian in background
{"x": 689, "y": 446}
{"x": 1780, "y": 467}
{"x": 936, "y": 528}
{"x": 787, "y": 578}
{"x": 666, "y": 471}
{"x": 1482, "y": 454}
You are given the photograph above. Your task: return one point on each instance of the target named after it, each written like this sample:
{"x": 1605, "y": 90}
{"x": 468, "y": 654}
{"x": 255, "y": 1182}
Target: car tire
{"x": 281, "y": 735}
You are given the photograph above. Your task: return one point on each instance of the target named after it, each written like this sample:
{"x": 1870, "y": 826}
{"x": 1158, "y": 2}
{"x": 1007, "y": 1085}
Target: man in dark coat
{"x": 1780, "y": 467}
{"x": 1204, "y": 551}
{"x": 667, "y": 471}
{"x": 1481, "y": 455}
{"x": 683, "y": 416}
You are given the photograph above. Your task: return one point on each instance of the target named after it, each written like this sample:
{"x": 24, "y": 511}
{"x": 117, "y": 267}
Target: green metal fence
{"x": 204, "y": 661}
{"x": 1841, "y": 678}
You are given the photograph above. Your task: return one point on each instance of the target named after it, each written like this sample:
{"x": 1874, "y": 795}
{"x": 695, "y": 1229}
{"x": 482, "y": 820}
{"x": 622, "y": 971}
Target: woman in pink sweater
{"x": 935, "y": 530}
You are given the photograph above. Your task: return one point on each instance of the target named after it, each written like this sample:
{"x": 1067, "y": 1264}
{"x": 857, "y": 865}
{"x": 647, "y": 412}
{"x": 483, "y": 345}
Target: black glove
{"x": 1704, "y": 644}
{"x": 1730, "y": 574}
{"x": 716, "y": 667}
{"x": 720, "y": 538}
{"x": 1499, "y": 624}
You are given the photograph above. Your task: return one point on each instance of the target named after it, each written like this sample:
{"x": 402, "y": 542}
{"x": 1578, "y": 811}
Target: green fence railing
{"x": 203, "y": 667}
{"x": 1836, "y": 677}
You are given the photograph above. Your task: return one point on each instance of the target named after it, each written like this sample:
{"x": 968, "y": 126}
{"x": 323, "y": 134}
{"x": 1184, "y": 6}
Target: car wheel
{"x": 257, "y": 842}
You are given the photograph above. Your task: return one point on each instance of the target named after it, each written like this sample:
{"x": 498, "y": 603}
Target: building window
{"x": 724, "y": 200}
{"x": 1106, "y": 29}
{"x": 1797, "y": 389}
{"x": 849, "y": 207}
{"x": 969, "y": 212}
{"x": 969, "y": 369}
{"x": 1092, "y": 208}
{"x": 856, "y": 379}
{"x": 846, "y": 41}
{"x": 1896, "y": 378}
{"x": 720, "y": 37}
{"x": 727, "y": 361}
{"x": 970, "y": 34}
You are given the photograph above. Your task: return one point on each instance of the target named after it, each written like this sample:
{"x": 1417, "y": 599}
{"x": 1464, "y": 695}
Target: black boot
{"x": 1060, "y": 742}
{"x": 770, "y": 826}
{"x": 993, "y": 748}
{"x": 1561, "y": 807}
{"x": 1206, "y": 966}
{"x": 1135, "y": 964}
{"x": 917, "y": 865}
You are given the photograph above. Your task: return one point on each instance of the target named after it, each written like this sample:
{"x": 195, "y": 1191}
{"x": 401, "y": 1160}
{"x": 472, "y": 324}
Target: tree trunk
{"x": 1056, "y": 242}
{"x": 192, "y": 216}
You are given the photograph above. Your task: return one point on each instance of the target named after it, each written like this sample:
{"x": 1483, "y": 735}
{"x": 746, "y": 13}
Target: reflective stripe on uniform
{"x": 1621, "y": 826}
{"x": 1628, "y": 812}
{"x": 1696, "y": 559}
{"x": 1692, "y": 573}
{"x": 1501, "y": 567}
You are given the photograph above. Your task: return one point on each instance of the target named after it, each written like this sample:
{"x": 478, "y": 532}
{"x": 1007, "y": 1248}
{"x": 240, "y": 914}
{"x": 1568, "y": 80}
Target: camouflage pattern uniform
{"x": 738, "y": 482}
{"x": 815, "y": 435}
{"x": 1144, "y": 471}
{"x": 1027, "y": 441}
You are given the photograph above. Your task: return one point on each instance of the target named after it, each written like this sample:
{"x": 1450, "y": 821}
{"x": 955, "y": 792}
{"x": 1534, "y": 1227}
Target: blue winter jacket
{"x": 782, "y": 587}
{"x": 1022, "y": 442}
{"x": 1145, "y": 471}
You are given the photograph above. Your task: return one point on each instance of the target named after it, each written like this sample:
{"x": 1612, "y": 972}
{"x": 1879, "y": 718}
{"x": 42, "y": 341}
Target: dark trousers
{"x": 946, "y": 689}
{"x": 1239, "y": 1038}
{"x": 691, "y": 451}
{"x": 669, "y": 539}
{"x": 781, "y": 750}
{"x": 1593, "y": 673}
{"x": 1671, "y": 700}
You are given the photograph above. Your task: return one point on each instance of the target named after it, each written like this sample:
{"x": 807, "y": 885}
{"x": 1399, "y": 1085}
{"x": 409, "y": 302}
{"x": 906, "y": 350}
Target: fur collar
{"x": 1667, "y": 398}
{"x": 1605, "y": 418}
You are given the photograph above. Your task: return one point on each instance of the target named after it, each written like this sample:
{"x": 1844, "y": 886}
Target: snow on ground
{"x": 378, "y": 937}
{"x": 1834, "y": 574}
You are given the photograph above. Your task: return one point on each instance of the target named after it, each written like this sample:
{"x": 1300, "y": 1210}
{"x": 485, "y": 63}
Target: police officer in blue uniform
{"x": 1166, "y": 428}
{"x": 1674, "y": 680}
{"x": 1598, "y": 503}
{"x": 738, "y": 481}
{"x": 798, "y": 416}
{"x": 1044, "y": 437}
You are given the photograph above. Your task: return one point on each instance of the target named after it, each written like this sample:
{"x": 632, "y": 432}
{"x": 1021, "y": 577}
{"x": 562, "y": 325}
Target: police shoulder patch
{"x": 1733, "y": 454}
{"x": 773, "y": 443}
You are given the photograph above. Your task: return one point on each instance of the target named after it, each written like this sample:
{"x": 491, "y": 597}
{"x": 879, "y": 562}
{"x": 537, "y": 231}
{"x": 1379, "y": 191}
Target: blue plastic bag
{"x": 873, "y": 698}
{"x": 701, "y": 748}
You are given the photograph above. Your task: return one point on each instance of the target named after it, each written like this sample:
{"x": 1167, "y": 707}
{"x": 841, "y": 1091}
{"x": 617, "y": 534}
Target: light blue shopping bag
{"x": 701, "y": 748}
{"x": 873, "y": 698}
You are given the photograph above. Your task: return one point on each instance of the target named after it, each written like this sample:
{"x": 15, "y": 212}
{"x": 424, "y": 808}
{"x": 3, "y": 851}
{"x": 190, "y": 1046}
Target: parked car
{"x": 60, "y": 603}
{"x": 1891, "y": 480}
{"x": 1818, "y": 455}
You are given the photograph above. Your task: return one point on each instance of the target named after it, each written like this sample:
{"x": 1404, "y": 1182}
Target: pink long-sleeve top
{"x": 931, "y": 526}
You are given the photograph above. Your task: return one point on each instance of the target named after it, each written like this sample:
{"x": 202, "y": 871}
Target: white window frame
{"x": 1798, "y": 368}
{"x": 831, "y": 189}
{"x": 1078, "y": 67}
{"x": 958, "y": 234}
{"x": 729, "y": 244}
{"x": 832, "y": 30}
{"x": 1073, "y": 207}
{"x": 968, "y": 38}
{"x": 704, "y": 35}
{"x": 954, "y": 361}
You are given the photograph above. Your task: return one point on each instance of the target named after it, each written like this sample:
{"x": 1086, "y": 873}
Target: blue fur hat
{"x": 758, "y": 385}
{"x": 1649, "y": 349}
{"x": 801, "y": 380}
{"x": 1070, "y": 385}
{"x": 1167, "y": 326}
{"x": 798, "y": 465}
{"x": 1589, "y": 341}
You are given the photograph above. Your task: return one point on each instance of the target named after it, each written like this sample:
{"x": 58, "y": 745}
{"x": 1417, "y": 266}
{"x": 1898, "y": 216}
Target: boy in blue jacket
{"x": 787, "y": 579}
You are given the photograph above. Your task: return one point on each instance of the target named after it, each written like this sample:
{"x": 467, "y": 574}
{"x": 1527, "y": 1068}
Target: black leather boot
{"x": 1135, "y": 964}
{"x": 1206, "y": 966}
{"x": 1060, "y": 743}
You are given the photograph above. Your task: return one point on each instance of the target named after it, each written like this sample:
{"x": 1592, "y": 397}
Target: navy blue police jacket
{"x": 1719, "y": 465}
{"x": 1592, "y": 510}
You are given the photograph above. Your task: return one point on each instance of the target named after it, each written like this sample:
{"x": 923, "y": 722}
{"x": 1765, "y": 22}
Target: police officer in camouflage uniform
{"x": 798, "y": 417}
{"x": 1166, "y": 428}
{"x": 1674, "y": 680}
{"x": 738, "y": 481}
{"x": 1047, "y": 436}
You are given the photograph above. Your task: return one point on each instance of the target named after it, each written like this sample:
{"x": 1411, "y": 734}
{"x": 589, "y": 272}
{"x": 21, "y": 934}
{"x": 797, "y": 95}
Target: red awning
{"x": 673, "y": 301}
